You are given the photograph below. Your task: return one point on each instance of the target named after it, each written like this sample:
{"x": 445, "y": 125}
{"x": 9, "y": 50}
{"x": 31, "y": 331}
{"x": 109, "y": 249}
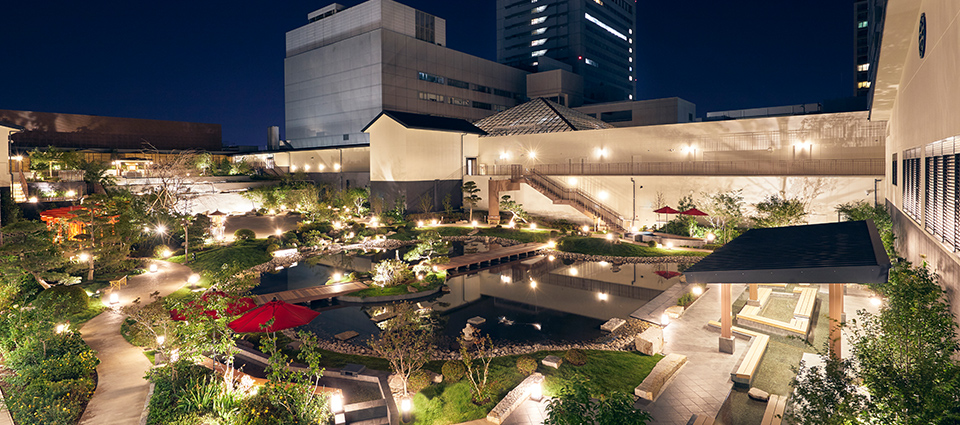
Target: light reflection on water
{"x": 532, "y": 300}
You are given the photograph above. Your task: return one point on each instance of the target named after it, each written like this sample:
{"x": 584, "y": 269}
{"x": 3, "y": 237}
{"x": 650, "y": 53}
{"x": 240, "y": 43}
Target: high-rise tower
{"x": 868, "y": 28}
{"x": 595, "y": 38}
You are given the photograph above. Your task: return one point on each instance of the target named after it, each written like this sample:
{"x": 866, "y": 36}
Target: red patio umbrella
{"x": 284, "y": 315}
{"x": 236, "y": 307}
{"x": 667, "y": 274}
{"x": 694, "y": 211}
{"x": 666, "y": 210}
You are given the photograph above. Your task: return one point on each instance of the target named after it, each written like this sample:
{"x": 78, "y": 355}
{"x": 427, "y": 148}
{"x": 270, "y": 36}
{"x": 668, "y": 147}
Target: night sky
{"x": 223, "y": 63}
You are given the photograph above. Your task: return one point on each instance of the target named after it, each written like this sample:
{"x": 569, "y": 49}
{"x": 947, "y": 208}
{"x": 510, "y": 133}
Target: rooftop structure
{"x": 538, "y": 116}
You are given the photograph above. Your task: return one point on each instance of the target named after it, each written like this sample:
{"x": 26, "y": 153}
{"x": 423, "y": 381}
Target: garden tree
{"x": 207, "y": 334}
{"x": 154, "y": 318}
{"x": 470, "y": 195}
{"x": 390, "y": 272}
{"x": 682, "y": 224}
{"x": 860, "y": 210}
{"x": 302, "y": 196}
{"x": 293, "y": 388}
{"x": 429, "y": 246}
{"x": 355, "y": 198}
{"x": 110, "y": 225}
{"x": 476, "y": 357}
{"x": 204, "y": 163}
{"x": 775, "y": 211}
{"x": 240, "y": 168}
{"x": 28, "y": 248}
{"x": 171, "y": 195}
{"x": 827, "y": 394}
{"x": 95, "y": 174}
{"x": 407, "y": 341}
{"x": 725, "y": 209}
{"x": 507, "y": 204}
{"x": 425, "y": 203}
{"x": 53, "y": 158}
{"x": 573, "y": 405}
{"x": 907, "y": 353}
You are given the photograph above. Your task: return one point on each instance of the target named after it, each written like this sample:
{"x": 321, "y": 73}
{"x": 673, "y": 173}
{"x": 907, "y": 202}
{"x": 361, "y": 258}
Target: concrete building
{"x": 594, "y": 38}
{"x": 348, "y": 64}
{"x": 918, "y": 93}
{"x": 671, "y": 110}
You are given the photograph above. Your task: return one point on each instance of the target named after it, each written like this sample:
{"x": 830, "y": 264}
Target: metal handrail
{"x": 549, "y": 187}
{"x": 800, "y": 167}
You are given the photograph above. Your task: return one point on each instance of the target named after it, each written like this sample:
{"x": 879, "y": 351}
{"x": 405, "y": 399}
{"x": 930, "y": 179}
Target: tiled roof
{"x": 428, "y": 122}
{"x": 538, "y": 116}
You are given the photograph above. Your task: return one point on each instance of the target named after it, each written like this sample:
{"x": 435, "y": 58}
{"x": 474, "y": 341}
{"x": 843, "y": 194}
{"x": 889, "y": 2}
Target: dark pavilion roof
{"x": 428, "y": 122}
{"x": 538, "y": 116}
{"x": 847, "y": 252}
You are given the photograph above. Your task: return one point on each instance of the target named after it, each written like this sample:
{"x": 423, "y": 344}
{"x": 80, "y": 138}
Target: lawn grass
{"x": 94, "y": 307}
{"x": 376, "y": 291}
{"x": 597, "y": 246}
{"x": 449, "y": 403}
{"x": 244, "y": 254}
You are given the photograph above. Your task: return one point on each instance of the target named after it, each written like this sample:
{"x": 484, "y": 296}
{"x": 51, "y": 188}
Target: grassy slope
{"x": 245, "y": 254}
{"x": 596, "y": 246}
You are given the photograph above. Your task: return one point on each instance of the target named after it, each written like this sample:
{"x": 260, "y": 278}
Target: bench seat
{"x": 808, "y": 299}
{"x": 748, "y": 366}
{"x": 773, "y": 415}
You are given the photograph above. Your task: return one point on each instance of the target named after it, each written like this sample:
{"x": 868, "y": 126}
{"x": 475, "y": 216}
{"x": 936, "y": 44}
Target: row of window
{"x": 939, "y": 173}
{"x": 439, "y": 98}
{"x": 433, "y": 78}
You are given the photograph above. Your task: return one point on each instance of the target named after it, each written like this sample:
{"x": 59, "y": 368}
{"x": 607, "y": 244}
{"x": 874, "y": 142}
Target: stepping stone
{"x": 383, "y": 316}
{"x": 758, "y": 394}
{"x": 612, "y": 324}
{"x": 411, "y": 289}
{"x": 343, "y": 336}
{"x": 476, "y": 321}
{"x": 552, "y": 361}
{"x": 674, "y": 312}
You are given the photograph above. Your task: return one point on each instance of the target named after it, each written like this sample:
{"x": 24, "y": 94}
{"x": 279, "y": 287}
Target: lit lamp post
{"x": 405, "y": 406}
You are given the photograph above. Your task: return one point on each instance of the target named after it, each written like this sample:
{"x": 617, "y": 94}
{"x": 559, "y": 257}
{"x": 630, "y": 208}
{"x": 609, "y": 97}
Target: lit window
{"x": 539, "y": 42}
{"x": 863, "y": 67}
{"x": 538, "y": 21}
{"x": 630, "y": 96}
{"x": 539, "y": 9}
{"x": 630, "y": 59}
{"x": 631, "y": 69}
{"x": 535, "y": 63}
{"x": 630, "y": 50}
{"x": 590, "y": 62}
{"x": 538, "y": 53}
{"x": 863, "y": 85}
{"x": 606, "y": 27}
{"x": 630, "y": 78}
{"x": 598, "y": 2}
{"x": 533, "y": 1}
{"x": 862, "y": 24}
{"x": 631, "y": 31}
{"x": 630, "y": 40}
{"x": 539, "y": 31}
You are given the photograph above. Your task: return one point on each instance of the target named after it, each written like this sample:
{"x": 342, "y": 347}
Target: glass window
{"x": 538, "y": 53}
{"x": 539, "y": 42}
{"x": 538, "y": 21}
{"x": 430, "y": 77}
{"x": 539, "y": 9}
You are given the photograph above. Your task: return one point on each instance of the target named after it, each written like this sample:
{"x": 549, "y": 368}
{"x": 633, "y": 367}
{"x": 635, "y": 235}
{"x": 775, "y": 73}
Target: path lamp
{"x": 406, "y": 405}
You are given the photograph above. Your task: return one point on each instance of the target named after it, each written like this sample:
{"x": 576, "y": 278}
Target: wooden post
{"x": 727, "y": 341}
{"x": 836, "y": 315}
{"x": 754, "y": 295}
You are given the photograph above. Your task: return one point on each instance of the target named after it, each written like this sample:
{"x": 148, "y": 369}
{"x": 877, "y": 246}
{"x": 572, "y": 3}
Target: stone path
{"x": 5, "y": 418}
{"x": 121, "y": 390}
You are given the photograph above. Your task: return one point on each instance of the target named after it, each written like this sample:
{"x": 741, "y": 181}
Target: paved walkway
{"x": 121, "y": 390}
{"x": 5, "y": 418}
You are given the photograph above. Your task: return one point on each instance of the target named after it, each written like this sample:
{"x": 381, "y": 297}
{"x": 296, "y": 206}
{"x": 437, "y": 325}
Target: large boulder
{"x": 650, "y": 341}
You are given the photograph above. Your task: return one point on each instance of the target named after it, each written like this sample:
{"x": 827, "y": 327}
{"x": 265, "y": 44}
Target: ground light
{"x": 552, "y": 244}
{"x": 711, "y": 237}
{"x": 114, "y": 298}
{"x": 669, "y": 245}
{"x": 551, "y": 258}
{"x": 586, "y": 229}
{"x": 536, "y": 392}
{"x": 153, "y": 268}
{"x": 278, "y": 232}
{"x": 697, "y": 290}
{"x": 876, "y": 301}
{"x": 474, "y": 223}
{"x": 61, "y": 328}
{"x": 161, "y": 339}
{"x": 336, "y": 403}
{"x": 405, "y": 406}
{"x": 602, "y": 296}
{"x": 609, "y": 236}
{"x": 664, "y": 319}
{"x": 193, "y": 279}
{"x": 166, "y": 253}
{"x": 533, "y": 226}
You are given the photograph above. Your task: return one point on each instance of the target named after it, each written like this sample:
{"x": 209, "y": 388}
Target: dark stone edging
{"x": 389, "y": 298}
{"x": 563, "y": 255}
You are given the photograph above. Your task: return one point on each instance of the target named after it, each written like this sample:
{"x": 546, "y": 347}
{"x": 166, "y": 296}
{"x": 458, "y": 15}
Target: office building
{"x": 346, "y": 65}
{"x": 868, "y": 30}
{"x": 595, "y": 38}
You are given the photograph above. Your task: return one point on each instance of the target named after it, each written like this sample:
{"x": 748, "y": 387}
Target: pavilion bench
{"x": 776, "y": 405}
{"x": 808, "y": 299}
{"x": 746, "y": 370}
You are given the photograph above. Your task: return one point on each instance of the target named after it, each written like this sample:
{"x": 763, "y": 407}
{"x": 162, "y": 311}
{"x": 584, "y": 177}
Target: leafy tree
{"x": 860, "y": 210}
{"x": 154, "y": 318}
{"x": 406, "y": 341}
{"x": 470, "y": 195}
{"x": 95, "y": 173}
{"x": 726, "y": 210}
{"x": 477, "y": 357}
{"x": 28, "y": 248}
{"x": 514, "y": 208}
{"x": 53, "y": 158}
{"x": 390, "y": 272}
{"x": 204, "y": 163}
{"x": 426, "y": 203}
{"x": 429, "y": 245}
{"x": 775, "y": 211}
{"x": 292, "y": 389}
{"x": 111, "y": 226}
{"x": 827, "y": 394}
{"x": 356, "y": 198}
{"x": 906, "y": 354}
{"x": 574, "y": 406}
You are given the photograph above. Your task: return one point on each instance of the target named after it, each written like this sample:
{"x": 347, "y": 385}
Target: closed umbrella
{"x": 284, "y": 315}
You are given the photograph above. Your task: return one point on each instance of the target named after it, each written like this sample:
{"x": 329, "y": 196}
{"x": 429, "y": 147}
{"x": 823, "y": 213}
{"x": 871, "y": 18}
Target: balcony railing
{"x": 808, "y": 167}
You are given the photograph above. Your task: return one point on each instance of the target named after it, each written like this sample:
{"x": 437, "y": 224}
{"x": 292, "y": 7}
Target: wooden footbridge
{"x": 496, "y": 256}
{"x": 312, "y": 293}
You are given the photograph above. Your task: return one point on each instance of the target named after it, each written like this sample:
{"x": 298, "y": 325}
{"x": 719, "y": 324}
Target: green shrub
{"x": 526, "y": 365}
{"x": 685, "y": 299}
{"x": 418, "y": 381}
{"x": 244, "y": 234}
{"x": 453, "y": 371}
{"x": 652, "y": 243}
{"x": 63, "y": 299}
{"x": 575, "y": 357}
{"x": 272, "y": 247}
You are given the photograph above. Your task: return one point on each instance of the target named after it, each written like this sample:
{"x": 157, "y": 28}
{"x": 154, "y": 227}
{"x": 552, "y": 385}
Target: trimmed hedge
{"x": 453, "y": 371}
{"x": 63, "y": 299}
{"x": 575, "y": 357}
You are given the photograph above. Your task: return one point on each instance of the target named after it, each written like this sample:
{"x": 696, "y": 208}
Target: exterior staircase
{"x": 576, "y": 198}
{"x": 19, "y": 189}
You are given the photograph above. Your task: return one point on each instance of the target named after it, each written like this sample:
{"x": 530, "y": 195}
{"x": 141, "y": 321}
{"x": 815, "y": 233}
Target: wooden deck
{"x": 492, "y": 257}
{"x": 312, "y": 293}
